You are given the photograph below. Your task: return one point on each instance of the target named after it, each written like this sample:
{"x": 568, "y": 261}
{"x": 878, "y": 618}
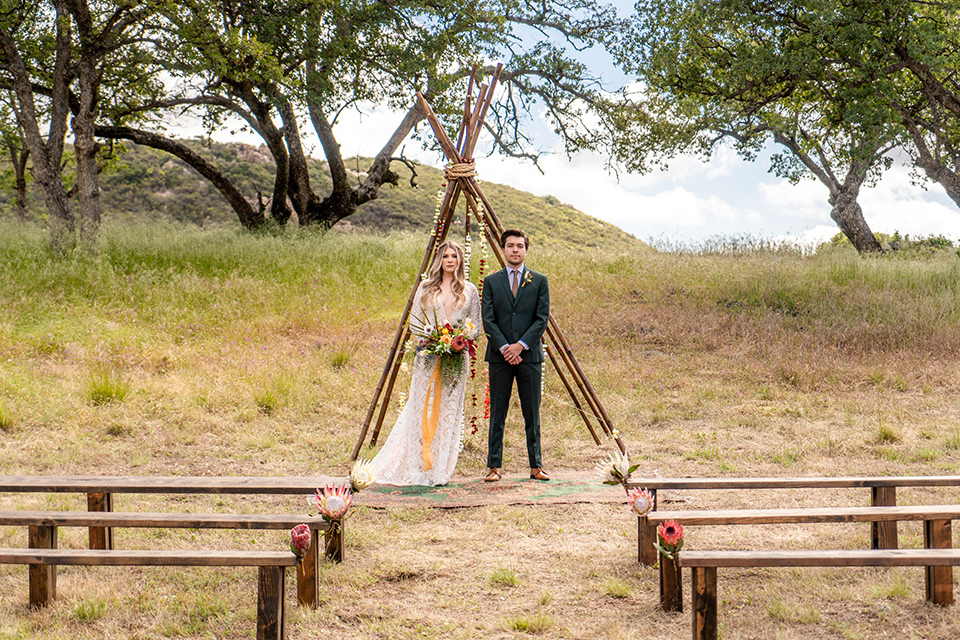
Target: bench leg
{"x": 43, "y": 577}
{"x": 671, "y": 584}
{"x": 703, "y": 601}
{"x": 647, "y": 535}
{"x": 937, "y": 535}
{"x": 308, "y": 578}
{"x": 333, "y": 542}
{"x": 883, "y": 535}
{"x": 270, "y": 597}
{"x": 100, "y": 537}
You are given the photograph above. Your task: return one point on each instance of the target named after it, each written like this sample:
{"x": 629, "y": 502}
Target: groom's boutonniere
{"x": 527, "y": 277}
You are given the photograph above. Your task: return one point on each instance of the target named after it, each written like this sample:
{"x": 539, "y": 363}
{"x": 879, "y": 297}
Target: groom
{"x": 515, "y": 307}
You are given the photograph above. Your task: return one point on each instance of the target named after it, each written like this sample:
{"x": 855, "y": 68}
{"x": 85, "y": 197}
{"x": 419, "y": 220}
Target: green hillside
{"x": 145, "y": 184}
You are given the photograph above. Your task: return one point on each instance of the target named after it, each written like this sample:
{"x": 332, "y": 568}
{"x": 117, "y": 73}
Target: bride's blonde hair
{"x": 431, "y": 286}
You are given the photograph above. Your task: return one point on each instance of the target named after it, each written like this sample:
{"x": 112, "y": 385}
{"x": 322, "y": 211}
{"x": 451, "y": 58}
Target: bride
{"x": 446, "y": 297}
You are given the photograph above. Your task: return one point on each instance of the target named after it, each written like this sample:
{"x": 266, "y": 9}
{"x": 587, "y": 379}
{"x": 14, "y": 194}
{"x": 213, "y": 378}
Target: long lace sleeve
{"x": 473, "y": 310}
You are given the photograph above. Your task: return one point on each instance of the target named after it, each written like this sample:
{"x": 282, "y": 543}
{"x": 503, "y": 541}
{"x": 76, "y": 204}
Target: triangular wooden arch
{"x": 461, "y": 181}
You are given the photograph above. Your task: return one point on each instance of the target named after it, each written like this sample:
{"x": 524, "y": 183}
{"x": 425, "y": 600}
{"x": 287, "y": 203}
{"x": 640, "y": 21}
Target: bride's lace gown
{"x": 400, "y": 461}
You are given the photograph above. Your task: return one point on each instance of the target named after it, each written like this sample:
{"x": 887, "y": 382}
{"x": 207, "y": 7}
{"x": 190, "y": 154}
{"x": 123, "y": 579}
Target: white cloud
{"x": 689, "y": 200}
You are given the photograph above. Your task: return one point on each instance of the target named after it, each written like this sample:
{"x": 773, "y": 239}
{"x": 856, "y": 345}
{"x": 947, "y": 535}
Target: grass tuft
{"x": 616, "y": 588}
{"x": 90, "y": 610}
{"x": 6, "y": 419}
{"x": 887, "y": 434}
{"x": 534, "y": 624}
{"x": 107, "y": 385}
{"x": 504, "y": 577}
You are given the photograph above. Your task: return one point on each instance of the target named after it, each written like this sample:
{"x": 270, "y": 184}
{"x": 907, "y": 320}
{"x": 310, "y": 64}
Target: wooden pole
{"x": 100, "y": 537}
{"x": 308, "y": 572}
{"x": 565, "y": 353}
{"x": 937, "y": 535}
{"x": 42, "y": 577}
{"x": 671, "y": 584}
{"x": 392, "y": 361}
{"x": 270, "y": 601}
{"x": 443, "y": 225}
{"x": 704, "y": 594}
{"x": 883, "y": 535}
{"x": 556, "y": 335}
{"x": 647, "y": 554}
{"x": 576, "y": 402}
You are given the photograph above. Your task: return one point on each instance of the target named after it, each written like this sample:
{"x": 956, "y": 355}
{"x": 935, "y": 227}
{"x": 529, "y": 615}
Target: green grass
{"x": 534, "y": 624}
{"x": 107, "y": 385}
{"x": 616, "y": 588}
{"x": 504, "y": 577}
{"x": 226, "y": 353}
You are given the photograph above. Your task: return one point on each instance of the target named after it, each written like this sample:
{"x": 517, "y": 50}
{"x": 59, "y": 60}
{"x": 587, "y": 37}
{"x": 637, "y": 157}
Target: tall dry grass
{"x": 184, "y": 351}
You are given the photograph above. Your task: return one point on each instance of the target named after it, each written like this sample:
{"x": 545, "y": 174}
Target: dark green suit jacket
{"x": 507, "y": 319}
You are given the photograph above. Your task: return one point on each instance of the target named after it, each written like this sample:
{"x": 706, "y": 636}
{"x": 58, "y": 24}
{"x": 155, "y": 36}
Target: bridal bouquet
{"x": 449, "y": 344}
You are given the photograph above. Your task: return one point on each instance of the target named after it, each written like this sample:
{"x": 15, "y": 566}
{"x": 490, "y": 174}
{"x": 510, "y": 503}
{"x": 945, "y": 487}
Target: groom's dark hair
{"x": 515, "y": 233}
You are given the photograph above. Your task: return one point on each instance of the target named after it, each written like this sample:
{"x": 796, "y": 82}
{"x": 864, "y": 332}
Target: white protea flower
{"x": 362, "y": 475}
{"x": 615, "y": 469}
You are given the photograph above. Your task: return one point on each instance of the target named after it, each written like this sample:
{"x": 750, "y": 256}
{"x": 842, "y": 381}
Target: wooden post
{"x": 937, "y": 535}
{"x": 703, "y": 594}
{"x": 100, "y": 537}
{"x": 883, "y": 535}
{"x": 671, "y": 584}
{"x": 308, "y": 576}
{"x": 647, "y": 535}
{"x": 333, "y": 542}
{"x": 43, "y": 577}
{"x": 270, "y": 597}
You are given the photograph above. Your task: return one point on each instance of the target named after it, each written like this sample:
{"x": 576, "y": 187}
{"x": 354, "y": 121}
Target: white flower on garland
{"x": 362, "y": 475}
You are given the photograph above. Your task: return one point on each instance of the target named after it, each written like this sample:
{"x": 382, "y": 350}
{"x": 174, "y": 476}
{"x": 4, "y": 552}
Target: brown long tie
{"x": 515, "y": 279}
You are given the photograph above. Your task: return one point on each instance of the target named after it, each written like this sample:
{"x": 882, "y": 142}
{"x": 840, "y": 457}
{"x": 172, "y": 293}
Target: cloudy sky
{"x": 690, "y": 202}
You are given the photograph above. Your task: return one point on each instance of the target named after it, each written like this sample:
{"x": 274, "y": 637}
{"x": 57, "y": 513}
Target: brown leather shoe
{"x": 537, "y": 473}
{"x": 493, "y": 475}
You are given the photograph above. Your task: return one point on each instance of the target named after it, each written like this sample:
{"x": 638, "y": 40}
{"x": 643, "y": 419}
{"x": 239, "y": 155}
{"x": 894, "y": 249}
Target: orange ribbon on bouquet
{"x": 429, "y": 422}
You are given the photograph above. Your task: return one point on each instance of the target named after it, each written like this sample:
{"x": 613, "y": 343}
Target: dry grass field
{"x": 219, "y": 353}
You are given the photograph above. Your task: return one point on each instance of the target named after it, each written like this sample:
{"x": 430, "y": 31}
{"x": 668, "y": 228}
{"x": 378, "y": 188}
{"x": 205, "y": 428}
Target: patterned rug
{"x": 563, "y": 488}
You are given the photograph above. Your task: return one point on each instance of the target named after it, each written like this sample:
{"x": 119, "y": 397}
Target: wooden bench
{"x": 704, "y": 564}
{"x": 936, "y": 525}
{"x": 883, "y": 491}
{"x": 270, "y": 584}
{"x": 42, "y": 533}
{"x": 100, "y": 492}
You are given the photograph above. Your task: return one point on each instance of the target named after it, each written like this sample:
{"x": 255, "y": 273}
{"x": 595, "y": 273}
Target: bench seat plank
{"x": 822, "y": 558}
{"x": 160, "y": 520}
{"x": 166, "y": 484}
{"x": 814, "y": 515}
{"x": 100, "y": 557}
{"x": 794, "y": 483}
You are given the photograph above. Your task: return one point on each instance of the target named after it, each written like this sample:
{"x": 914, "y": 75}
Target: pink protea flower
{"x": 671, "y": 533}
{"x": 300, "y": 539}
{"x": 333, "y": 502}
{"x": 640, "y": 501}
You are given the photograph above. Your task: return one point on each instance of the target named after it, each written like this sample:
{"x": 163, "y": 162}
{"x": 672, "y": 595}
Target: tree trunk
{"x": 47, "y": 154}
{"x": 86, "y": 147}
{"x": 934, "y": 167}
{"x": 249, "y": 218}
{"x": 279, "y": 209}
{"x": 344, "y": 199}
{"x": 847, "y": 212}
{"x": 18, "y": 160}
